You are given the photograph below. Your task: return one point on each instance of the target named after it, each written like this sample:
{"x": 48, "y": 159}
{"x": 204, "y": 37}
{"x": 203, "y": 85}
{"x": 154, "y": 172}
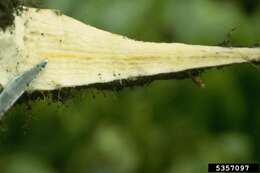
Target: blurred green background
{"x": 168, "y": 126}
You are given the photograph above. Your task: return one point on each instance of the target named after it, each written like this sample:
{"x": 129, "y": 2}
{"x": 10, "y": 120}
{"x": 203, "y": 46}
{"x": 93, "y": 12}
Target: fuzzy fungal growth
{"x": 80, "y": 55}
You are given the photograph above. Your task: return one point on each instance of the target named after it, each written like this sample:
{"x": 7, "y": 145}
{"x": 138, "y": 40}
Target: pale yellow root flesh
{"x": 81, "y": 55}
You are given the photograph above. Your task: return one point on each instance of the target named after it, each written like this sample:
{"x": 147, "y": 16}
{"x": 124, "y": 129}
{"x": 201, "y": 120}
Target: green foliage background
{"x": 168, "y": 126}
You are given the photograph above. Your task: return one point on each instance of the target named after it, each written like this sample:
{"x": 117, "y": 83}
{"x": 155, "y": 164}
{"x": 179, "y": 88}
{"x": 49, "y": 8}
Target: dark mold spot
{"x": 8, "y": 9}
{"x": 25, "y": 38}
